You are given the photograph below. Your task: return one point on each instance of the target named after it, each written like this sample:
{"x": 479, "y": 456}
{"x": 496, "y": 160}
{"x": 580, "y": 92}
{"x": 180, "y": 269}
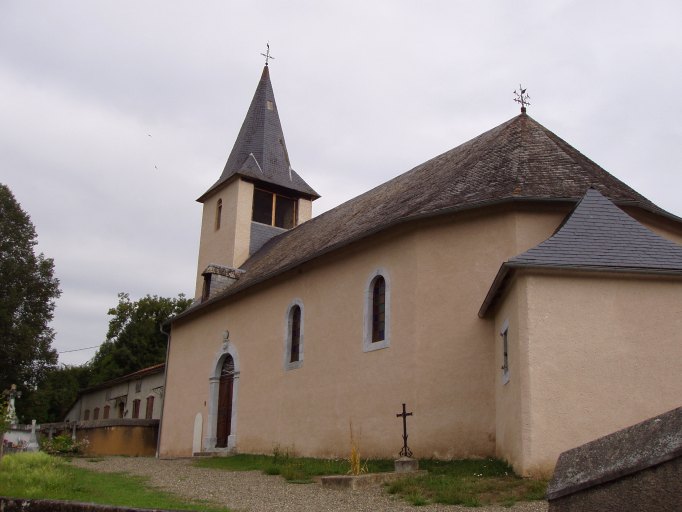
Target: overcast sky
{"x": 115, "y": 116}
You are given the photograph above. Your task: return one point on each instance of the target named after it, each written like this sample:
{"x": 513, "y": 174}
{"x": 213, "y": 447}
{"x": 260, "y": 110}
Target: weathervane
{"x": 267, "y": 54}
{"x": 522, "y": 97}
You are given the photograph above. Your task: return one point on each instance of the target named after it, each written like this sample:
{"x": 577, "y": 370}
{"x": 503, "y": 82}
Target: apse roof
{"x": 519, "y": 160}
{"x": 597, "y": 235}
{"x": 260, "y": 153}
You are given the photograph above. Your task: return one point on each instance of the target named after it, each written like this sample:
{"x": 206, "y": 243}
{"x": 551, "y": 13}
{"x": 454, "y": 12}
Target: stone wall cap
{"x": 113, "y": 422}
{"x": 646, "y": 444}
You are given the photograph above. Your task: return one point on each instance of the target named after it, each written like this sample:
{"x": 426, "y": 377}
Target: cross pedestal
{"x": 406, "y": 465}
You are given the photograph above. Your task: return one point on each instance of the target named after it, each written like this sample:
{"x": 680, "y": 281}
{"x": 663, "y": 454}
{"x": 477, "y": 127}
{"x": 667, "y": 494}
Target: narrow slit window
{"x": 379, "y": 310}
{"x": 504, "y": 334}
{"x": 295, "y": 334}
{"x": 294, "y": 337}
{"x": 218, "y": 213}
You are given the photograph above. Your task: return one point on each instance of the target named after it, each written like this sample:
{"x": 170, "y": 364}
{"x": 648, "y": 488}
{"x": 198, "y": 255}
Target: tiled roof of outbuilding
{"x": 597, "y": 235}
{"x": 259, "y": 153}
{"x": 519, "y": 160}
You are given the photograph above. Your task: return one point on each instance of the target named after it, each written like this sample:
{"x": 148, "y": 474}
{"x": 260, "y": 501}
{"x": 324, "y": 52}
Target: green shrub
{"x": 64, "y": 445}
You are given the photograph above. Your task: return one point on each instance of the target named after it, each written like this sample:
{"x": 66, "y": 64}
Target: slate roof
{"x": 260, "y": 153}
{"x": 144, "y": 372}
{"x": 519, "y": 160}
{"x": 597, "y": 235}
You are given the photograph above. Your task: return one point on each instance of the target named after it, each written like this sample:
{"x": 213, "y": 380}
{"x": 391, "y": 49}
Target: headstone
{"x": 637, "y": 468}
{"x": 196, "y": 439}
{"x": 33, "y": 440}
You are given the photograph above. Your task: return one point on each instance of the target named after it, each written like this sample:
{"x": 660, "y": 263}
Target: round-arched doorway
{"x": 225, "y": 402}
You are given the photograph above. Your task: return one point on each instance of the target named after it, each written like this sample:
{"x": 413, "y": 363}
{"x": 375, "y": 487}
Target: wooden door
{"x": 225, "y": 402}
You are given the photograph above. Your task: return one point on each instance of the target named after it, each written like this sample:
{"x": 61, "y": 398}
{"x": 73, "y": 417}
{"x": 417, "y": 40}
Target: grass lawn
{"x": 460, "y": 482}
{"x": 299, "y": 470}
{"x": 41, "y": 476}
{"x": 469, "y": 482}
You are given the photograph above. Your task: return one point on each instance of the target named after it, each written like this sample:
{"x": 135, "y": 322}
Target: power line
{"x": 77, "y": 349}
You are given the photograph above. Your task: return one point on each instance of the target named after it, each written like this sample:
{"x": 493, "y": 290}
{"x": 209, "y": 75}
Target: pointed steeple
{"x": 260, "y": 153}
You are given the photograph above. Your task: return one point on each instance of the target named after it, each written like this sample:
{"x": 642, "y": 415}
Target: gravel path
{"x": 253, "y": 491}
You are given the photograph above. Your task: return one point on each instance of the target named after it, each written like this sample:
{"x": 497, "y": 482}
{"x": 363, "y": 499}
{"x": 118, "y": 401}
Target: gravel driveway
{"x": 255, "y": 492}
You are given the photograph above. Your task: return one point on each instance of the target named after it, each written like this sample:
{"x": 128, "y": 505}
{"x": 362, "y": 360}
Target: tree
{"x": 28, "y": 290}
{"x": 56, "y": 393}
{"x": 134, "y": 340}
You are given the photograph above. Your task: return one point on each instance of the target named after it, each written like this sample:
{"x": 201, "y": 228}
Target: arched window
{"x": 136, "y": 408}
{"x": 379, "y": 309}
{"x": 377, "y": 312}
{"x": 295, "y": 327}
{"x": 218, "y": 213}
{"x": 294, "y": 336}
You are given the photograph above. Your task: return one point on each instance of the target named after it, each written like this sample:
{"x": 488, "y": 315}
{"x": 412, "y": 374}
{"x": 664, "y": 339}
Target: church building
{"x": 516, "y": 296}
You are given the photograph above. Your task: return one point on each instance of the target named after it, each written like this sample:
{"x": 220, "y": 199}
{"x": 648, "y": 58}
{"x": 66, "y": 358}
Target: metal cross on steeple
{"x": 522, "y": 97}
{"x": 267, "y": 54}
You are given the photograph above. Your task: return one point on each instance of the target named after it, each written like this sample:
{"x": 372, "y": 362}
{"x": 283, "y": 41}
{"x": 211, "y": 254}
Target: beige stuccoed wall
{"x": 228, "y": 245}
{"x": 603, "y": 354}
{"x": 511, "y": 408}
{"x": 440, "y": 360}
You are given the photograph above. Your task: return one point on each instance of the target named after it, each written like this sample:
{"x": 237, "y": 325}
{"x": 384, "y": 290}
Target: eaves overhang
{"x": 253, "y": 281}
{"x": 508, "y": 271}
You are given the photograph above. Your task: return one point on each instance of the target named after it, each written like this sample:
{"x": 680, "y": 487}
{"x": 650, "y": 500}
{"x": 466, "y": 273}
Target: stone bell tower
{"x": 257, "y": 196}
